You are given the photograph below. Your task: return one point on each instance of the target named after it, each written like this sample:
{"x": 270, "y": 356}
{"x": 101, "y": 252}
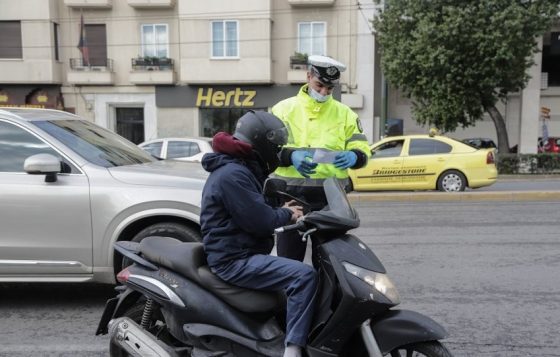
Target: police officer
{"x": 325, "y": 140}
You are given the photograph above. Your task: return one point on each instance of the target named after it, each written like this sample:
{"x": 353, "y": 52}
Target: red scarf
{"x": 226, "y": 144}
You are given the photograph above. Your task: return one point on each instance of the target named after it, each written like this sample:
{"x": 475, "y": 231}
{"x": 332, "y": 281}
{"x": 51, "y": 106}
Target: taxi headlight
{"x": 378, "y": 281}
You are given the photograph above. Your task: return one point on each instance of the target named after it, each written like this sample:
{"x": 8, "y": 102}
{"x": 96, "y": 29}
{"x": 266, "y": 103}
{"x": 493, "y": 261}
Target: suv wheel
{"x": 170, "y": 229}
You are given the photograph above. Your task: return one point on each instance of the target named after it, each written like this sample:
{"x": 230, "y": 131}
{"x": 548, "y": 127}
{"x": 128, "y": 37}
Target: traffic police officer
{"x": 325, "y": 140}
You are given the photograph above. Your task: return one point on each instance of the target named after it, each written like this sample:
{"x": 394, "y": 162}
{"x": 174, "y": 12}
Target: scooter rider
{"x": 325, "y": 140}
{"x": 237, "y": 224}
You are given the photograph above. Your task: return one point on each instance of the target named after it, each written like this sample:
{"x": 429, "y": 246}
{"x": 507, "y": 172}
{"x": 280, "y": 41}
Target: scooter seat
{"x": 189, "y": 260}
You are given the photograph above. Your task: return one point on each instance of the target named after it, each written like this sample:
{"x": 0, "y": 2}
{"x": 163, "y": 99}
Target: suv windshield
{"x": 94, "y": 143}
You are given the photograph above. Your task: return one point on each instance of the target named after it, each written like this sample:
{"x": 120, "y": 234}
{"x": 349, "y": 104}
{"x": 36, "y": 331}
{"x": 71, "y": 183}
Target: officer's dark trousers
{"x": 270, "y": 273}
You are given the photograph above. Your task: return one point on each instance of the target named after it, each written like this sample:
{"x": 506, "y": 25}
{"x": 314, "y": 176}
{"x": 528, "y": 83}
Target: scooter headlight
{"x": 378, "y": 281}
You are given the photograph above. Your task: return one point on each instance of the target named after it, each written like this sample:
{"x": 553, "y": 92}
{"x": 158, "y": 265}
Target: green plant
{"x": 299, "y": 57}
{"x": 546, "y": 163}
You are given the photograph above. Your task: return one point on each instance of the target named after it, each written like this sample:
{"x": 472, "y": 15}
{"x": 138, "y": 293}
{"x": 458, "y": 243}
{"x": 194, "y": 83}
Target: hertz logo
{"x": 217, "y": 98}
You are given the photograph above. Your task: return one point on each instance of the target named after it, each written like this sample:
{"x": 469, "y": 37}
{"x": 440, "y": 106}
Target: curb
{"x": 505, "y": 196}
{"x": 528, "y": 177}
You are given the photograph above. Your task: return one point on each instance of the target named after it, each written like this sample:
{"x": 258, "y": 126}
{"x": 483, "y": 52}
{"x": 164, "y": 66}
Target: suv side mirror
{"x": 43, "y": 164}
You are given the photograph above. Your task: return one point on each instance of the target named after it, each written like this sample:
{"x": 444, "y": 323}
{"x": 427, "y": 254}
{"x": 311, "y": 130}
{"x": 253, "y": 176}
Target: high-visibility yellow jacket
{"x": 312, "y": 125}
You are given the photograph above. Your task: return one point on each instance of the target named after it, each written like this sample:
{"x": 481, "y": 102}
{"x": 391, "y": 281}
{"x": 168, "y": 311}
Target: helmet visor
{"x": 278, "y": 136}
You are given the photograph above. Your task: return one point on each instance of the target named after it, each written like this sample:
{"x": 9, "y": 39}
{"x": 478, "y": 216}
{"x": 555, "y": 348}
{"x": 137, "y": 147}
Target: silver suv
{"x": 69, "y": 189}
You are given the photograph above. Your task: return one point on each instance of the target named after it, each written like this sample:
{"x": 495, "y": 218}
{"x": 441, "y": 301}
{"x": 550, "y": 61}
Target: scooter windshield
{"x": 339, "y": 214}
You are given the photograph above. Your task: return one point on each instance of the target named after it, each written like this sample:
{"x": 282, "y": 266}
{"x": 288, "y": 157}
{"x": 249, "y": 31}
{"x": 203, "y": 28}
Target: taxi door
{"x": 383, "y": 169}
{"x": 425, "y": 160}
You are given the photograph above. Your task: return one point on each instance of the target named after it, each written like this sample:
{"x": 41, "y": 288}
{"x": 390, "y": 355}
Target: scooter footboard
{"x": 402, "y": 327}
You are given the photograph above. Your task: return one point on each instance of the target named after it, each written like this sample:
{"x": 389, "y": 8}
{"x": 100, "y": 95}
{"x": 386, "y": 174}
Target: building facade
{"x": 160, "y": 68}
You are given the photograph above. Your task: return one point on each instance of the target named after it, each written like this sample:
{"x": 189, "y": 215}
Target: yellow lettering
{"x": 248, "y": 101}
{"x": 228, "y": 97}
{"x": 236, "y": 101}
{"x": 218, "y": 99}
{"x": 201, "y": 97}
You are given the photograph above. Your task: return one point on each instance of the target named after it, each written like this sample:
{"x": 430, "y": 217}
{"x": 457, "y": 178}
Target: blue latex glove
{"x": 345, "y": 159}
{"x": 302, "y": 161}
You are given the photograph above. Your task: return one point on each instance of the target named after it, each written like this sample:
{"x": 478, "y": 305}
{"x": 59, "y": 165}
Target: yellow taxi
{"x": 425, "y": 162}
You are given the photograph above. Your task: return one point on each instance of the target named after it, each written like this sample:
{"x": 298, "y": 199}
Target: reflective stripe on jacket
{"x": 312, "y": 125}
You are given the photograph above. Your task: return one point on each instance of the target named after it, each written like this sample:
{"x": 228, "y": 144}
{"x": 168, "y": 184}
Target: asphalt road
{"x": 486, "y": 270}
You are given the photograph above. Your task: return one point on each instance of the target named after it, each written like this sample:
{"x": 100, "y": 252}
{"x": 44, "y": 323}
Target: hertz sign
{"x": 226, "y": 96}
{"x": 210, "y": 97}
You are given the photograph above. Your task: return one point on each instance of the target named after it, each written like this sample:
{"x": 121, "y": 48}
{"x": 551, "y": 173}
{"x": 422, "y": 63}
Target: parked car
{"x": 69, "y": 189}
{"x": 184, "y": 149}
{"x": 551, "y": 145}
{"x": 480, "y": 143}
{"x": 425, "y": 162}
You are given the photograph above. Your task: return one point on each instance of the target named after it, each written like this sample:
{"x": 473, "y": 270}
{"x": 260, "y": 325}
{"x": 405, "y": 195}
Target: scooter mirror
{"x": 272, "y": 187}
{"x": 275, "y": 189}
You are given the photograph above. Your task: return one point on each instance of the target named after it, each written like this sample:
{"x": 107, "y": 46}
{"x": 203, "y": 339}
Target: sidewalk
{"x": 468, "y": 195}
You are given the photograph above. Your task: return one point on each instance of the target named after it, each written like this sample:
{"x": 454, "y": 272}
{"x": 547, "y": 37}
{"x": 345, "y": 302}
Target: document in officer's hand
{"x": 323, "y": 156}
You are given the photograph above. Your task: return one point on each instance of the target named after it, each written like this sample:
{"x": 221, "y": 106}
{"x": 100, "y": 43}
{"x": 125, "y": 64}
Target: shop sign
{"x": 211, "y": 97}
{"x": 221, "y": 96}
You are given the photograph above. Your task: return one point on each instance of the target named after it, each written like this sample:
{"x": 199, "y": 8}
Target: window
{"x": 214, "y": 120}
{"x": 154, "y": 148}
{"x": 177, "y": 149}
{"x": 16, "y": 145}
{"x": 155, "y": 40}
{"x": 427, "y": 147}
{"x": 551, "y": 58}
{"x": 55, "y": 33}
{"x": 312, "y": 38}
{"x": 97, "y": 44}
{"x": 225, "y": 41}
{"x": 10, "y": 39}
{"x": 130, "y": 123}
{"x": 389, "y": 149}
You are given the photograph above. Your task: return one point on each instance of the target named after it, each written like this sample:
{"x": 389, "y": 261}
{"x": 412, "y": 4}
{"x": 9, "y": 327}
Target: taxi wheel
{"x": 452, "y": 181}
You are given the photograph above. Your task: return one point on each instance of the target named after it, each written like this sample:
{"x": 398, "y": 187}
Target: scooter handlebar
{"x": 291, "y": 227}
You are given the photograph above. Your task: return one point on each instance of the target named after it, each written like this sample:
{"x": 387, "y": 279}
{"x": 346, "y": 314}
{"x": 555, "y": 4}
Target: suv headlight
{"x": 378, "y": 281}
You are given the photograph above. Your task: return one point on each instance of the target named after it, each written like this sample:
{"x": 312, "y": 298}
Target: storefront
{"x": 215, "y": 108}
{"x": 31, "y": 96}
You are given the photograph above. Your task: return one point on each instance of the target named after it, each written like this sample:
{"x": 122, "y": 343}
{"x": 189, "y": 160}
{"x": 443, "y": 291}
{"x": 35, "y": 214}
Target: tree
{"x": 458, "y": 59}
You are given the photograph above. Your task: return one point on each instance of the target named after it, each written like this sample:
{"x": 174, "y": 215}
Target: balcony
{"x": 17, "y": 71}
{"x": 152, "y": 71}
{"x": 311, "y": 2}
{"x": 152, "y": 4}
{"x": 298, "y": 69}
{"x": 98, "y": 72}
{"x": 100, "y": 4}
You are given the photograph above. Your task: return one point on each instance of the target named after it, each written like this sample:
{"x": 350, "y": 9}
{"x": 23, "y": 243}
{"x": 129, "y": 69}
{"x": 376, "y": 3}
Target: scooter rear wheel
{"x": 423, "y": 349}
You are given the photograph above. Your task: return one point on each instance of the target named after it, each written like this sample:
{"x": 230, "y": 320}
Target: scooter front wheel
{"x": 425, "y": 349}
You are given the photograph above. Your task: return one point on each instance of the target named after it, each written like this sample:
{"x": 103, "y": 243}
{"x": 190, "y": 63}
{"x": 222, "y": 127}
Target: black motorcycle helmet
{"x": 266, "y": 134}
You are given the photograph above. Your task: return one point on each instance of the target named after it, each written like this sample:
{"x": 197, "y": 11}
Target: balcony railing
{"x": 94, "y": 64}
{"x": 152, "y": 64}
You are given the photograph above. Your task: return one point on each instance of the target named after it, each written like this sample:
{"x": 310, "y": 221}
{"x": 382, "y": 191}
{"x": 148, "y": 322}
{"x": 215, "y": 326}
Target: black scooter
{"x": 170, "y": 303}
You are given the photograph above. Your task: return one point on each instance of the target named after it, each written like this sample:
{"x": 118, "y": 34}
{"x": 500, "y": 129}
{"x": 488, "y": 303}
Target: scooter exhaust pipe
{"x": 132, "y": 338}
